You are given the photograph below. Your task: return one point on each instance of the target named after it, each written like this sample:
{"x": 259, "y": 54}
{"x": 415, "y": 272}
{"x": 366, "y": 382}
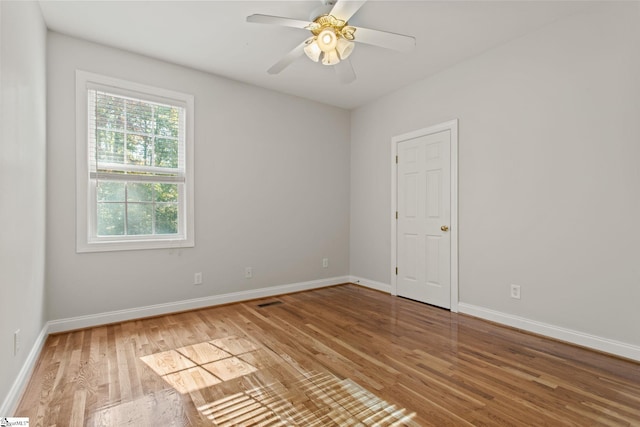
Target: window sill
{"x": 133, "y": 245}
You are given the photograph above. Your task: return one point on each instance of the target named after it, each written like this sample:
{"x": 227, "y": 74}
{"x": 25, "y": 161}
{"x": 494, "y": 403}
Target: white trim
{"x": 606, "y": 345}
{"x": 451, "y": 126}
{"x": 68, "y": 324}
{"x": 10, "y": 403}
{"x": 372, "y": 284}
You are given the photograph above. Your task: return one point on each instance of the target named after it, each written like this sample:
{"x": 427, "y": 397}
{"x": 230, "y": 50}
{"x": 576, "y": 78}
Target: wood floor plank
{"x": 334, "y": 356}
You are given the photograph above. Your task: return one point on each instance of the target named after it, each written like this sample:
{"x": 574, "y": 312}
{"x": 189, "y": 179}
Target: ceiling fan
{"x": 332, "y": 37}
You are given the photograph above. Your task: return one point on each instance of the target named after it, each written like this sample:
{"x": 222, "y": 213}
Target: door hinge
{"x": 396, "y": 160}
{"x": 396, "y": 271}
{"x": 396, "y": 214}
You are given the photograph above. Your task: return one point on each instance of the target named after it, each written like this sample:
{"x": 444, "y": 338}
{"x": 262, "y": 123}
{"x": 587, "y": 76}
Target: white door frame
{"x": 451, "y": 126}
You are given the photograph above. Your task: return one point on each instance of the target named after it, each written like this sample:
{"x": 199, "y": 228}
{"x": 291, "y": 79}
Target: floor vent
{"x": 267, "y": 304}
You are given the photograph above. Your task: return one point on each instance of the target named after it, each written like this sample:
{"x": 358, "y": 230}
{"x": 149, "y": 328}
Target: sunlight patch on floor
{"x": 310, "y": 399}
{"x": 318, "y": 399}
{"x": 202, "y": 365}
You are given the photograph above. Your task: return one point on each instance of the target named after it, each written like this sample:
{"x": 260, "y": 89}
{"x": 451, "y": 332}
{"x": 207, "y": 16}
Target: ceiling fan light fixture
{"x": 327, "y": 40}
{"x": 312, "y": 50}
{"x": 344, "y": 48}
{"x": 332, "y": 38}
{"x": 330, "y": 58}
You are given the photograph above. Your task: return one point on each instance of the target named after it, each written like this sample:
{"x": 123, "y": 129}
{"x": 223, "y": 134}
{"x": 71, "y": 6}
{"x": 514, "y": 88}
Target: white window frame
{"x": 86, "y": 235}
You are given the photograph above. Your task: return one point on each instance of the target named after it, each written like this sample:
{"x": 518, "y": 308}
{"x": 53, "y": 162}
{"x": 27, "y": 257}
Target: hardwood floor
{"x": 344, "y": 355}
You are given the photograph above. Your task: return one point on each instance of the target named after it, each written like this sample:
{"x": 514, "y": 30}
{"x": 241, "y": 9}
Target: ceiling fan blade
{"x": 345, "y": 72}
{"x": 345, "y": 9}
{"x": 385, "y": 39}
{"x": 278, "y": 20}
{"x": 294, "y": 54}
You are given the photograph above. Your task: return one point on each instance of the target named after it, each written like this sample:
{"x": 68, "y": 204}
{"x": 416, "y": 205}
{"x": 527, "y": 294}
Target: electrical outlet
{"x": 16, "y": 342}
{"x": 325, "y": 262}
{"x": 197, "y": 279}
{"x": 515, "y": 291}
{"x": 248, "y": 272}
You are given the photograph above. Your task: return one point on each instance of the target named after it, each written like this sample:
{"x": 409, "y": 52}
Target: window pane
{"x": 110, "y": 146}
{"x": 110, "y": 191}
{"x": 110, "y": 219}
{"x": 167, "y": 121}
{"x": 139, "y": 150}
{"x": 167, "y": 218}
{"x": 140, "y": 117}
{"x": 109, "y": 111}
{"x": 139, "y": 218}
{"x": 166, "y": 151}
{"x": 139, "y": 192}
{"x": 166, "y": 192}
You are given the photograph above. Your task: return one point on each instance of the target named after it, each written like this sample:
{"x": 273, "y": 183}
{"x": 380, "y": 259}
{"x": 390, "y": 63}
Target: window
{"x": 134, "y": 165}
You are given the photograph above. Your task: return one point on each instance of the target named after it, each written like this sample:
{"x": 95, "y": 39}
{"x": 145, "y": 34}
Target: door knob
{"x": 444, "y": 228}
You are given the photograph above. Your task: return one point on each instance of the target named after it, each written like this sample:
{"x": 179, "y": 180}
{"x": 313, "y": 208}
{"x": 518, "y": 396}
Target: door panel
{"x": 411, "y": 242}
{"x": 424, "y": 200}
{"x": 433, "y": 198}
{"x": 411, "y": 198}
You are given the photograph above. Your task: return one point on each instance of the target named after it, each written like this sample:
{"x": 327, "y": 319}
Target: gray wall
{"x": 271, "y": 190}
{"x": 22, "y": 185}
{"x": 549, "y": 182}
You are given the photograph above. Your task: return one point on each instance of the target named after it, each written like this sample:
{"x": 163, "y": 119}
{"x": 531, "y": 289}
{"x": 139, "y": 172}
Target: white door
{"x": 424, "y": 216}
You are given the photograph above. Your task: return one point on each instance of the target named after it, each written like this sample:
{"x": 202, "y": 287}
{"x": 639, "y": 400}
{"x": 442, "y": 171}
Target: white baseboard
{"x": 10, "y": 403}
{"x": 606, "y": 345}
{"x": 379, "y": 286}
{"x": 69, "y": 324}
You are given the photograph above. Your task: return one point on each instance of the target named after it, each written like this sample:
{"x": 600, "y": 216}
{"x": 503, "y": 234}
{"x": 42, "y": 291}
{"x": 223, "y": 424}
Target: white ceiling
{"x": 214, "y": 36}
